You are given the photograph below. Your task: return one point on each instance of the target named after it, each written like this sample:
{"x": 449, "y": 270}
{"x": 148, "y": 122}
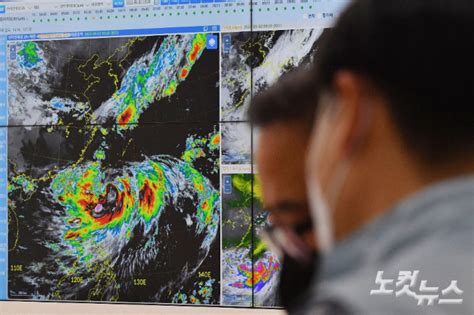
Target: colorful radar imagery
{"x": 250, "y": 271}
{"x": 113, "y": 191}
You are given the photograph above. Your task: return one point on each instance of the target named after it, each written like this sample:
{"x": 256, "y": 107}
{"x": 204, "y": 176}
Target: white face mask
{"x": 321, "y": 215}
{"x": 321, "y": 211}
{"x": 320, "y": 204}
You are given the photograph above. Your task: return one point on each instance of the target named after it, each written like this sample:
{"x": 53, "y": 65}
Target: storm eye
{"x": 107, "y": 203}
{"x": 111, "y": 196}
{"x": 98, "y": 209}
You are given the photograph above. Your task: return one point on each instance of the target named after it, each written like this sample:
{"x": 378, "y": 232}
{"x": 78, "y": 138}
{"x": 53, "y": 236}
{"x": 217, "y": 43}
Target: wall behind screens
{"x": 128, "y": 173}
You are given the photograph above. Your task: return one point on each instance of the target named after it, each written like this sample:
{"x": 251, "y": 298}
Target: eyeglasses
{"x": 289, "y": 241}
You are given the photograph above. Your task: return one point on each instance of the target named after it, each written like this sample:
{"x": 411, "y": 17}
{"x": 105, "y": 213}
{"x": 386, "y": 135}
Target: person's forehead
{"x": 281, "y": 146}
{"x": 283, "y": 135}
{"x": 289, "y": 204}
{"x": 280, "y": 163}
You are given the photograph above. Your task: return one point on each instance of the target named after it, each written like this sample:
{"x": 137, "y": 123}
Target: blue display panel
{"x": 126, "y": 169}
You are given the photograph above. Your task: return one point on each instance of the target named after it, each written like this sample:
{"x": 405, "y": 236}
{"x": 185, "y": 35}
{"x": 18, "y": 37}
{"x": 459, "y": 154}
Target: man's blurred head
{"x": 284, "y": 115}
{"x": 396, "y": 108}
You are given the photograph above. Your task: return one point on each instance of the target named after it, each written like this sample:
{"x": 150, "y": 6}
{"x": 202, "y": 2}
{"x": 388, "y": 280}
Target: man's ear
{"x": 354, "y": 111}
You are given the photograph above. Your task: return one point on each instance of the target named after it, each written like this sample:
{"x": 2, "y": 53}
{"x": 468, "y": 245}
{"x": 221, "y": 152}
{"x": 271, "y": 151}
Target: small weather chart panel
{"x": 126, "y": 154}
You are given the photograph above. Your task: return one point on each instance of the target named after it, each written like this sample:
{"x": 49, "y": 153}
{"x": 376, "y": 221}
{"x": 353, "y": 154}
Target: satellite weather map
{"x": 243, "y": 252}
{"x": 116, "y": 152}
{"x": 250, "y": 63}
{"x": 110, "y": 198}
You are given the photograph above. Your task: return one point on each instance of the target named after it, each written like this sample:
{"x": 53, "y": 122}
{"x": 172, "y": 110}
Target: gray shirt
{"x": 430, "y": 235}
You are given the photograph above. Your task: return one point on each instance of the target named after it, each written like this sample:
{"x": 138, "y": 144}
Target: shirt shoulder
{"x": 430, "y": 235}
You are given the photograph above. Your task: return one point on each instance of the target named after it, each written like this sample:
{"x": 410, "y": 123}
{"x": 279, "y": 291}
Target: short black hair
{"x": 292, "y": 98}
{"x": 419, "y": 54}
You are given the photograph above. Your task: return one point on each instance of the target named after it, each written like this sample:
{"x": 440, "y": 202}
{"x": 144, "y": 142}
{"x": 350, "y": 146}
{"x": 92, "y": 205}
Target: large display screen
{"x": 126, "y": 158}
